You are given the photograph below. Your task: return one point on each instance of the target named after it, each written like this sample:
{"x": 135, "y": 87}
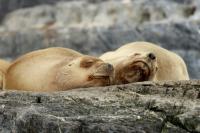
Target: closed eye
{"x": 136, "y": 54}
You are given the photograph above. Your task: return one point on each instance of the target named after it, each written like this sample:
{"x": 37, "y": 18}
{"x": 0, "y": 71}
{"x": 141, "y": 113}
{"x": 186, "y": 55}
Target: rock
{"x": 7, "y": 6}
{"x": 152, "y": 107}
{"x": 170, "y": 128}
{"x": 93, "y": 27}
{"x": 100, "y": 14}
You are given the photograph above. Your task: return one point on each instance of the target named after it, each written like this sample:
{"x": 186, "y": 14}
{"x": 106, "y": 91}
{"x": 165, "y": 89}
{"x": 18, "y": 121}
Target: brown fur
{"x": 170, "y": 65}
{"x": 3, "y": 67}
{"x": 55, "y": 69}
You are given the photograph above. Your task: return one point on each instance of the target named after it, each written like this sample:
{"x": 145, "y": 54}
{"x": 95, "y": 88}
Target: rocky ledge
{"x": 153, "y": 107}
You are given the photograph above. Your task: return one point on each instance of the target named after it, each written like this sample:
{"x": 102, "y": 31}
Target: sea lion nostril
{"x": 110, "y": 67}
{"x": 152, "y": 56}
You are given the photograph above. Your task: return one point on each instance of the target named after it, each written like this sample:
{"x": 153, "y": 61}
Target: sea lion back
{"x": 36, "y": 66}
{"x": 170, "y": 65}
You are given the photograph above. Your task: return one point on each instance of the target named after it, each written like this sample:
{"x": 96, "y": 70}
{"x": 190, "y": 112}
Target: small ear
{"x": 156, "y": 68}
{"x": 86, "y": 63}
{"x": 133, "y": 55}
{"x": 70, "y": 64}
{"x": 137, "y": 54}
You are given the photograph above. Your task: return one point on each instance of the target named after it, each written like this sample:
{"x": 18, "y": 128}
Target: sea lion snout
{"x": 105, "y": 69}
{"x": 151, "y": 56}
{"x": 109, "y": 67}
{"x": 104, "y": 74}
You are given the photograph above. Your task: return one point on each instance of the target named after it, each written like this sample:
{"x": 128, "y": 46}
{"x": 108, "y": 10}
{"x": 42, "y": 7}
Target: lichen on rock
{"x": 138, "y": 107}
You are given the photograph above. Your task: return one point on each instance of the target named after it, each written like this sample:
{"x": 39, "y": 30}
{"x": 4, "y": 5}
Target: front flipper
{"x": 2, "y": 83}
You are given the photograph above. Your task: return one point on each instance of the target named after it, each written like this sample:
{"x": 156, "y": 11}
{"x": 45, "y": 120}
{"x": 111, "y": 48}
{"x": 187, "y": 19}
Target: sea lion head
{"x": 86, "y": 71}
{"x": 136, "y": 68}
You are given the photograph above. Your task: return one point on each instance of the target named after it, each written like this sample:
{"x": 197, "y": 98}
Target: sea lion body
{"x": 3, "y": 67}
{"x": 170, "y": 65}
{"x": 55, "y": 69}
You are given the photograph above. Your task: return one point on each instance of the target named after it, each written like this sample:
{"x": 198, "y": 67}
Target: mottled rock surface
{"x": 85, "y": 13}
{"x": 7, "y": 6}
{"x": 153, "y": 107}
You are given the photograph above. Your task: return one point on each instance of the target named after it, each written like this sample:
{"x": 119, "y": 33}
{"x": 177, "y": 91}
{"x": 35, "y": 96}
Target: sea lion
{"x": 166, "y": 66}
{"x": 3, "y": 67}
{"x": 57, "y": 69}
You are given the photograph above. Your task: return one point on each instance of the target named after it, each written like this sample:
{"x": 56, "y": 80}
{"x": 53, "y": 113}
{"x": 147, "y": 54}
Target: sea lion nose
{"x": 105, "y": 68}
{"x": 151, "y": 56}
{"x": 110, "y": 67}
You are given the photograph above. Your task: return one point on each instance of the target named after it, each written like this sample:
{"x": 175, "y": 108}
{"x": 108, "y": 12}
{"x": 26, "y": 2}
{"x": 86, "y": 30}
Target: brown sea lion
{"x": 165, "y": 65}
{"x": 57, "y": 69}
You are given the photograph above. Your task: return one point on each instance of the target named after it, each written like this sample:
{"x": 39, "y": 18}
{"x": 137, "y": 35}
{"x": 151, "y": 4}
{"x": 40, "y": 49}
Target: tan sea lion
{"x": 3, "y": 67}
{"x": 170, "y": 66}
{"x": 57, "y": 69}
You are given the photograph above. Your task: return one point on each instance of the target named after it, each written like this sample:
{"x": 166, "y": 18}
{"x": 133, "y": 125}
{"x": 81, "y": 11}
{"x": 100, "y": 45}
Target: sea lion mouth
{"x": 104, "y": 78}
{"x": 104, "y": 73}
{"x": 100, "y": 76}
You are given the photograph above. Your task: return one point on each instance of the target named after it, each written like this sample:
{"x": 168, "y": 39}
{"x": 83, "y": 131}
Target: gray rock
{"x": 100, "y": 14}
{"x": 152, "y": 107}
{"x": 7, "y": 6}
{"x": 93, "y": 27}
{"x": 170, "y": 128}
